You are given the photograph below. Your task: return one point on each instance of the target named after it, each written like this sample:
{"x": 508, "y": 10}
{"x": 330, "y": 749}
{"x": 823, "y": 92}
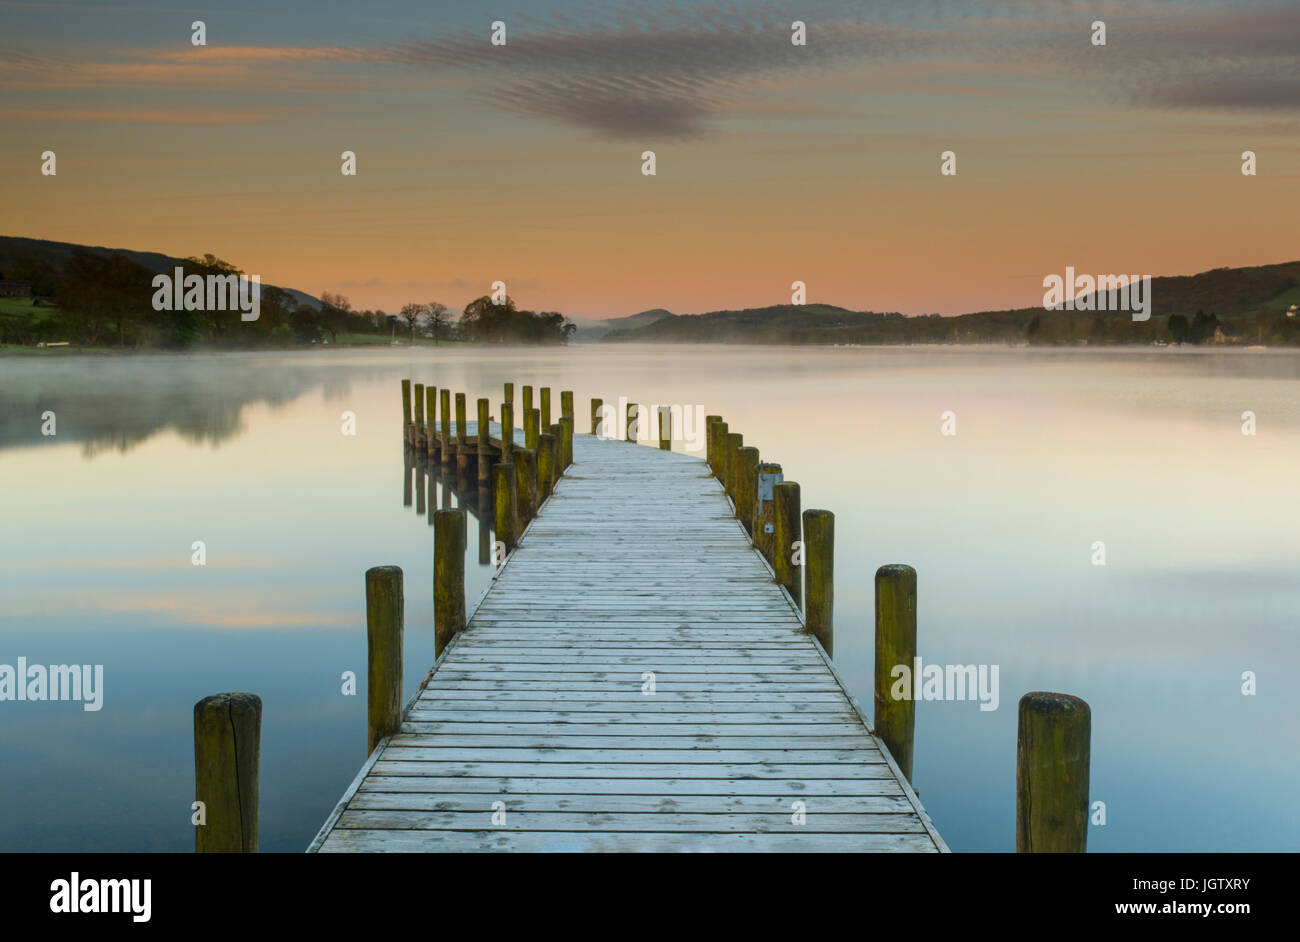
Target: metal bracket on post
{"x": 766, "y": 483}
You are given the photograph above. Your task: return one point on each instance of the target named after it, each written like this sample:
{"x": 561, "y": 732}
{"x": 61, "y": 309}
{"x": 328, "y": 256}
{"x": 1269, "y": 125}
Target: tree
{"x": 439, "y": 316}
{"x": 105, "y": 293}
{"x": 411, "y": 314}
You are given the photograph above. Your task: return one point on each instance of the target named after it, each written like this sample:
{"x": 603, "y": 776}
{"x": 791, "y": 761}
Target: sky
{"x": 774, "y": 162}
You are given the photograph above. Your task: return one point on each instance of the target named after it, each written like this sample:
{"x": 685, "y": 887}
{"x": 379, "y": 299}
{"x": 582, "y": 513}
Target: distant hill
{"x": 1242, "y": 300}
{"x": 595, "y": 330}
{"x": 16, "y": 250}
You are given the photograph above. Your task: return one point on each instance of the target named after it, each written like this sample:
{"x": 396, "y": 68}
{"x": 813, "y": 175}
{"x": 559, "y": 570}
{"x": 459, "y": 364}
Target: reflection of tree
{"x": 115, "y": 404}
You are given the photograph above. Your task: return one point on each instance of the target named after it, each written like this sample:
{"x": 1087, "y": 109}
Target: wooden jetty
{"x": 636, "y": 677}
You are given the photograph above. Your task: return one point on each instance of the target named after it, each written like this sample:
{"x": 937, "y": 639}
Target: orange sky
{"x": 523, "y": 163}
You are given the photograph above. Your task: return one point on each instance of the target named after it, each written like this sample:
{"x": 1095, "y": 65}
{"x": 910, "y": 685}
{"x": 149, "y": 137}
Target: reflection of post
{"x": 484, "y": 459}
{"x": 419, "y": 491}
{"x": 433, "y": 490}
{"x": 484, "y": 526}
{"x": 462, "y": 456}
{"x": 407, "y": 487}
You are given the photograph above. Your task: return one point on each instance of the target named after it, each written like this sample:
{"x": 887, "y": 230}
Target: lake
{"x": 1055, "y": 451}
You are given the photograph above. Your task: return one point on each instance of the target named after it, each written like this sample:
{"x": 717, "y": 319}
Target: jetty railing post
{"x": 665, "y": 429}
{"x": 595, "y": 416}
{"x": 566, "y": 403}
{"x": 746, "y": 487}
{"x": 385, "y": 613}
{"x": 510, "y": 393}
{"x": 733, "y": 441}
{"x": 709, "y": 442}
{"x": 431, "y": 418}
{"x": 462, "y": 455}
{"x": 1053, "y": 744}
{"x": 545, "y": 465}
{"x": 507, "y": 430}
{"x": 633, "y": 412}
{"x": 532, "y": 428}
{"x": 788, "y": 572}
{"x": 448, "y": 577}
{"x": 819, "y": 576}
{"x": 525, "y": 461}
{"x": 546, "y": 406}
{"x": 557, "y": 469}
{"x": 528, "y": 398}
{"x": 719, "y": 441}
{"x": 505, "y": 501}
{"x": 484, "y": 455}
{"x": 566, "y": 423}
{"x": 896, "y": 647}
{"x": 445, "y": 440}
{"x": 765, "y": 511}
{"x": 227, "y": 750}
{"x": 406, "y": 405}
{"x": 419, "y": 438}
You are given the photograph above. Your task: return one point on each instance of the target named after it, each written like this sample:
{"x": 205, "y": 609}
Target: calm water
{"x": 1053, "y": 452}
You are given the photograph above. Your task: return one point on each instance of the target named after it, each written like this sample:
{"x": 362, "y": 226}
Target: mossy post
{"x": 532, "y": 428}
{"x": 462, "y": 453}
{"x": 528, "y": 399}
{"x": 719, "y": 452}
{"x": 545, "y": 393}
{"x": 819, "y": 576}
{"x": 746, "y": 487}
{"x": 505, "y": 502}
{"x": 787, "y": 565}
{"x": 419, "y": 440}
{"x": 448, "y": 577}
{"x": 384, "y": 620}
{"x": 566, "y": 423}
{"x": 526, "y": 484}
{"x": 507, "y": 430}
{"x": 734, "y": 441}
{"x": 896, "y": 647}
{"x": 665, "y": 428}
{"x": 484, "y": 454}
{"x": 227, "y": 749}
{"x": 432, "y": 443}
{"x": 545, "y": 465}
{"x": 406, "y": 403}
{"x": 709, "y": 442}
{"x": 557, "y": 430}
{"x": 566, "y": 403}
{"x": 510, "y": 393}
{"x": 595, "y": 415}
{"x": 1053, "y": 742}
{"x": 445, "y": 440}
{"x": 765, "y": 515}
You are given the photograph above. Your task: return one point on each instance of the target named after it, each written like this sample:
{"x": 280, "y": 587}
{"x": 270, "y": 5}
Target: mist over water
{"x": 1054, "y": 451}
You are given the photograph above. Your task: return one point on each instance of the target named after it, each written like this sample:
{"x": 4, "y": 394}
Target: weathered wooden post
{"x": 719, "y": 452}
{"x": 558, "y": 468}
{"x": 769, "y": 475}
{"x": 746, "y": 487}
{"x": 484, "y": 453}
{"x": 566, "y": 423}
{"x": 430, "y": 416}
{"x": 595, "y": 416}
{"x": 819, "y": 576}
{"x": 788, "y": 571}
{"x": 462, "y": 453}
{"x": 665, "y": 429}
{"x": 633, "y": 411}
{"x": 732, "y": 443}
{"x": 896, "y": 647}
{"x": 419, "y": 439}
{"x": 510, "y": 393}
{"x": 546, "y": 406}
{"x": 532, "y": 428}
{"x": 545, "y": 465}
{"x": 406, "y": 403}
{"x": 1053, "y": 744}
{"x": 227, "y": 750}
{"x": 528, "y": 399}
{"x": 385, "y": 612}
{"x": 445, "y": 441}
{"x": 507, "y": 430}
{"x": 505, "y": 501}
{"x": 566, "y": 403}
{"x": 526, "y": 471}
{"x": 448, "y": 577}
{"x": 709, "y": 422}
